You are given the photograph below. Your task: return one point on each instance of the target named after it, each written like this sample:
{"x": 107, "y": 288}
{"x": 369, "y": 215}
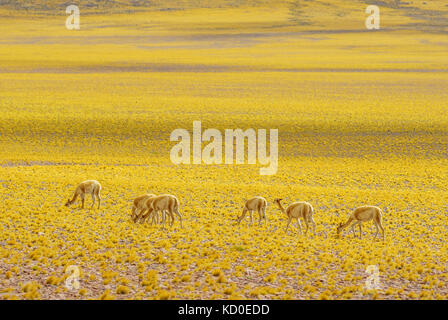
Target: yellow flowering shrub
{"x": 361, "y": 119}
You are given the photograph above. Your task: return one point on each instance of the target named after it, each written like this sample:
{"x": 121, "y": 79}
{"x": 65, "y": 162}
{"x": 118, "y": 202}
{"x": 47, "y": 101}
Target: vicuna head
{"x": 339, "y": 228}
{"x": 68, "y": 203}
{"x": 277, "y": 201}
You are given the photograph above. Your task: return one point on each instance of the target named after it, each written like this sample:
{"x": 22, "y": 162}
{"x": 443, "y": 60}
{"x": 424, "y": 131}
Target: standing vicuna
{"x": 91, "y": 187}
{"x": 297, "y": 210}
{"x": 138, "y": 205}
{"x": 258, "y": 204}
{"x": 364, "y": 214}
{"x": 164, "y": 202}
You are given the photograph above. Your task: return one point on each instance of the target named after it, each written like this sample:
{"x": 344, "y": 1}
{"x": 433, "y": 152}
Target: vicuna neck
{"x": 344, "y": 225}
{"x": 75, "y": 195}
{"x": 281, "y": 207}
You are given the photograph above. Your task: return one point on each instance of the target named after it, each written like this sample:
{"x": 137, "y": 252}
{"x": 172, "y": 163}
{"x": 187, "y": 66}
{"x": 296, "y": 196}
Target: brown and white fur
{"x": 91, "y": 187}
{"x": 138, "y": 205}
{"x": 258, "y": 204}
{"x": 364, "y": 214}
{"x": 297, "y": 210}
{"x": 163, "y": 203}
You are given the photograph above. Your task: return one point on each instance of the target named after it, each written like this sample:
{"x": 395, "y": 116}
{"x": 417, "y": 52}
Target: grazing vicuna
{"x": 364, "y": 214}
{"x": 91, "y": 187}
{"x": 163, "y": 203}
{"x": 258, "y": 204}
{"x": 296, "y": 211}
{"x": 138, "y": 205}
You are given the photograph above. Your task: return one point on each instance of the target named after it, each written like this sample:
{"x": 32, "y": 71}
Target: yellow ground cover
{"x": 361, "y": 117}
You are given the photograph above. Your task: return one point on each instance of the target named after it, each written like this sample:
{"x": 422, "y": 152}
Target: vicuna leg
{"x": 176, "y": 211}
{"x": 299, "y": 224}
{"x": 172, "y": 218}
{"x": 82, "y": 201}
{"x": 164, "y": 217}
{"x": 353, "y": 229}
{"x": 99, "y": 198}
{"x": 264, "y": 214}
{"x": 161, "y": 217}
{"x": 306, "y": 224}
{"x": 259, "y": 216}
{"x": 163, "y": 220}
{"x": 133, "y": 213}
{"x": 379, "y": 223}
{"x": 287, "y": 225}
{"x": 313, "y": 223}
{"x": 168, "y": 214}
{"x": 154, "y": 218}
{"x": 93, "y": 200}
{"x": 242, "y": 215}
{"x": 145, "y": 214}
{"x": 377, "y": 229}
